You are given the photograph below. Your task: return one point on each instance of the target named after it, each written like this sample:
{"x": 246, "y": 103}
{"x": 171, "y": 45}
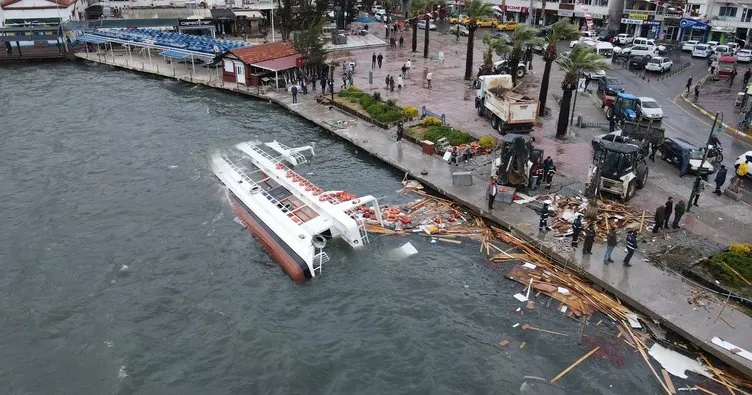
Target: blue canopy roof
{"x": 170, "y": 53}
{"x": 87, "y": 38}
{"x": 627, "y": 96}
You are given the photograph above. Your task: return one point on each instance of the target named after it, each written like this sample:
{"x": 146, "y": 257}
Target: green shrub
{"x": 431, "y": 121}
{"x": 372, "y": 104}
{"x": 719, "y": 266}
{"x": 487, "y": 142}
{"x": 410, "y": 112}
{"x": 455, "y": 137}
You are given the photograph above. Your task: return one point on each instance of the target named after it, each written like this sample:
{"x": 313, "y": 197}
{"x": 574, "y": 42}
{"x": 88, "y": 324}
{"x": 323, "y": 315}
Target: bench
{"x": 425, "y": 112}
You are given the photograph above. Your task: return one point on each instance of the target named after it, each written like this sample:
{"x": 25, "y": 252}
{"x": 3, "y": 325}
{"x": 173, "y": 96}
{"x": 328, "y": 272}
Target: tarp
{"x": 174, "y": 54}
{"x": 87, "y": 38}
{"x": 364, "y": 19}
{"x": 279, "y": 64}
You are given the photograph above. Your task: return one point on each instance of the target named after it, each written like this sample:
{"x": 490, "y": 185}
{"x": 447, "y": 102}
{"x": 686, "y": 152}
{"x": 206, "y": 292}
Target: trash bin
{"x": 506, "y": 194}
{"x": 428, "y": 147}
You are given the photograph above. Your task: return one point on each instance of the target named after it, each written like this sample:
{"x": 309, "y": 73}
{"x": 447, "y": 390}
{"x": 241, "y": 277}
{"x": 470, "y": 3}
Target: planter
{"x": 360, "y": 115}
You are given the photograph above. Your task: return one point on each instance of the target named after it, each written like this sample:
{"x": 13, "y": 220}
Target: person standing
{"x": 587, "y": 246}
{"x": 400, "y": 130}
{"x": 720, "y": 178}
{"x": 391, "y": 83}
{"x": 344, "y": 81}
{"x": 669, "y": 208}
{"x": 659, "y": 218}
{"x": 689, "y": 84}
{"x": 549, "y": 169}
{"x": 409, "y": 65}
{"x": 543, "y": 224}
{"x": 401, "y": 41}
{"x": 631, "y": 247}
{"x": 373, "y": 60}
{"x": 379, "y": 59}
{"x": 731, "y": 80}
{"x": 491, "y": 191}
{"x": 697, "y": 91}
{"x": 747, "y": 74}
{"x": 294, "y": 91}
{"x": 404, "y": 70}
{"x": 429, "y": 77}
{"x": 576, "y": 228}
{"x": 400, "y": 82}
{"x": 699, "y": 187}
{"x": 679, "y": 210}
{"x": 386, "y": 81}
{"x": 611, "y": 242}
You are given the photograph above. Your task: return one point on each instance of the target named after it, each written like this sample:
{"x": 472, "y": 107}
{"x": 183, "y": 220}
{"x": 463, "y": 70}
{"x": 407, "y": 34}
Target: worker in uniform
{"x": 536, "y": 175}
{"x": 549, "y": 170}
{"x": 587, "y": 246}
{"x": 544, "y": 218}
{"x": 631, "y": 246}
{"x": 576, "y": 228}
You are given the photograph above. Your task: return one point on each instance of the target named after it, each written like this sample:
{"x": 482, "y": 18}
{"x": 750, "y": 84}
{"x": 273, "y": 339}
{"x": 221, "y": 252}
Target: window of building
{"x": 727, "y": 11}
{"x": 747, "y": 15}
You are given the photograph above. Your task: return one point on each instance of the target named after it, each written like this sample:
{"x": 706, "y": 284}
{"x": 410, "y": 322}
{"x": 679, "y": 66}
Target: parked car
{"x": 734, "y": 47}
{"x": 745, "y": 156}
{"x": 701, "y": 51}
{"x": 623, "y": 39}
{"x": 744, "y": 56}
{"x": 712, "y": 45}
{"x": 638, "y": 62}
{"x": 673, "y": 148}
{"x": 422, "y": 25}
{"x": 594, "y": 75}
{"x": 641, "y": 50}
{"x": 502, "y": 67}
{"x": 380, "y": 15}
{"x": 502, "y": 36}
{"x": 459, "y": 28}
{"x": 509, "y": 26}
{"x": 659, "y": 64}
{"x": 375, "y": 8}
{"x": 612, "y": 137}
{"x": 689, "y": 45}
{"x": 609, "y": 86}
{"x": 649, "y": 42}
{"x": 486, "y": 22}
{"x": 459, "y": 19}
{"x": 582, "y": 40}
{"x": 649, "y": 109}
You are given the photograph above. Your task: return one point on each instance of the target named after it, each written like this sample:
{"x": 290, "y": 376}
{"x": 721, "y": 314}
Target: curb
{"x": 712, "y": 116}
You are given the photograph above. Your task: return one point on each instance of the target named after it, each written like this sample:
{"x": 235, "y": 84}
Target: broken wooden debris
{"x": 572, "y": 366}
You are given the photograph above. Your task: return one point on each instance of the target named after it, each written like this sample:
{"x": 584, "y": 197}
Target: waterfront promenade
{"x": 658, "y": 294}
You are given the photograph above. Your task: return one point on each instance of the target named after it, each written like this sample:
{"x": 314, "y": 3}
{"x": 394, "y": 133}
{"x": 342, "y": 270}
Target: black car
{"x": 674, "y": 149}
{"x": 638, "y": 62}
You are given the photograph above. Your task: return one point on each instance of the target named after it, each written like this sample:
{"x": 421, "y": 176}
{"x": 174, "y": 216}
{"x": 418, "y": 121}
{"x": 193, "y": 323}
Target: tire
{"x": 521, "y": 72}
{"x": 664, "y": 156}
{"x": 719, "y": 157}
{"x": 630, "y": 191}
{"x": 644, "y": 180}
{"x": 500, "y": 127}
{"x": 480, "y": 109}
{"x": 495, "y": 122}
{"x": 648, "y": 57}
{"x": 609, "y": 112}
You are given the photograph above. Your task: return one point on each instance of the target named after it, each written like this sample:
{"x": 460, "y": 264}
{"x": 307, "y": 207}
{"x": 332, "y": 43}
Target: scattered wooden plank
{"x": 669, "y": 383}
{"x": 504, "y": 343}
{"x": 737, "y": 273}
{"x": 448, "y": 240}
{"x": 727, "y": 323}
{"x": 522, "y": 345}
{"x": 546, "y": 330}
{"x": 572, "y": 366}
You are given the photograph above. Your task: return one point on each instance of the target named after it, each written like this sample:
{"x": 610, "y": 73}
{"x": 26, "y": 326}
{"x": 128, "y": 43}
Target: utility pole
{"x": 698, "y": 179}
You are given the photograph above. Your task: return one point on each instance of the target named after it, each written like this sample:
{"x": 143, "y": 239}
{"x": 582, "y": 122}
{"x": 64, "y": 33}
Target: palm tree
{"x": 581, "y": 59}
{"x": 417, "y": 8}
{"x": 427, "y": 17}
{"x": 475, "y": 9}
{"x": 493, "y": 45}
{"x": 561, "y": 30}
{"x": 523, "y": 36}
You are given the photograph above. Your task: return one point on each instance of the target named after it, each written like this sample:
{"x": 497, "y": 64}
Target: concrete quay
{"x": 656, "y": 293}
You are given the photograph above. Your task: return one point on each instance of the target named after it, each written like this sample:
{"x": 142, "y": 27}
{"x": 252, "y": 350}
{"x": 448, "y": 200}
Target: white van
{"x": 604, "y": 48}
{"x": 701, "y": 51}
{"x": 649, "y": 42}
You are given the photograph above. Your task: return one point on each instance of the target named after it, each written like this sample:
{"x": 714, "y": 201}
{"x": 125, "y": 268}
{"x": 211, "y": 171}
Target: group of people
{"x": 542, "y": 171}
{"x": 663, "y": 214}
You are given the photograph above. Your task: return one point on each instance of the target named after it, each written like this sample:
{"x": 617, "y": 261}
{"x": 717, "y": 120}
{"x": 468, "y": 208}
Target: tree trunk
{"x": 469, "y": 57}
{"x": 415, "y": 36}
{"x": 513, "y": 63}
{"x": 561, "y": 126}
{"x": 544, "y": 88}
{"x": 425, "y": 42}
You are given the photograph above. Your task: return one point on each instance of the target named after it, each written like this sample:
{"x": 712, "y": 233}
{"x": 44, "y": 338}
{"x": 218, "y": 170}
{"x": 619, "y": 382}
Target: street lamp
{"x": 698, "y": 179}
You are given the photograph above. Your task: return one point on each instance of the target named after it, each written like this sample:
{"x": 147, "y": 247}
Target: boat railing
{"x": 318, "y": 261}
{"x": 254, "y": 185}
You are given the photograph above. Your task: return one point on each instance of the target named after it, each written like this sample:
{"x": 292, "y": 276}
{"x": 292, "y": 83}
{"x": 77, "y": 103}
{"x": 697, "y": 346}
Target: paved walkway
{"x": 653, "y": 291}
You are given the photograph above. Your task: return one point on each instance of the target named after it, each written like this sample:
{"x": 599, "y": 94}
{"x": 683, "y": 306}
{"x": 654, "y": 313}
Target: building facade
{"x": 40, "y": 12}
{"x": 602, "y": 13}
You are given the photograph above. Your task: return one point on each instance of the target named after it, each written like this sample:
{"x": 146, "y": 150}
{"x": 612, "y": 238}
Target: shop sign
{"x": 195, "y": 22}
{"x": 566, "y": 13}
{"x": 693, "y": 24}
{"x": 643, "y": 17}
{"x": 628, "y": 21}
{"x": 516, "y": 8}
{"x": 653, "y": 23}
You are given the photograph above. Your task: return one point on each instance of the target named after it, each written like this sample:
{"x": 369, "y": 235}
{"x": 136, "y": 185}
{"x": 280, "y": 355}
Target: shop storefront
{"x": 651, "y": 29}
{"x": 199, "y": 27}
{"x": 692, "y": 29}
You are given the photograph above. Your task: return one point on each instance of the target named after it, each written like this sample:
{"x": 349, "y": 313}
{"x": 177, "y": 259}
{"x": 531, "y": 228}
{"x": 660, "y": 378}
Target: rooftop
{"x": 264, "y": 52}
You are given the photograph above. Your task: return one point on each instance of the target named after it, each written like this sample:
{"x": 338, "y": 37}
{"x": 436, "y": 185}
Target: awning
{"x": 279, "y": 64}
{"x": 87, "y": 38}
{"x": 170, "y": 53}
{"x": 222, "y": 14}
{"x": 249, "y": 14}
{"x": 723, "y": 29}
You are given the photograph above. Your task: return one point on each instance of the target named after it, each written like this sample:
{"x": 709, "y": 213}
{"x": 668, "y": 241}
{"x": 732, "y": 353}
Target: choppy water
{"x": 123, "y": 272}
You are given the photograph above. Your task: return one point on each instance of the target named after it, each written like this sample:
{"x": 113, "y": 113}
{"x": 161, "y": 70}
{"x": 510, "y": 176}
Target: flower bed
{"x": 733, "y": 267}
{"x": 383, "y": 111}
{"x": 431, "y": 129}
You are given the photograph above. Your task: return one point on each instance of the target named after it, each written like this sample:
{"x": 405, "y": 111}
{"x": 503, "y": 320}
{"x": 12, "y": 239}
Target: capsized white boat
{"x": 290, "y": 215}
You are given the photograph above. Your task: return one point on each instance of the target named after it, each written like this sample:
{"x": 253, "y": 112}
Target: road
{"x": 680, "y": 118}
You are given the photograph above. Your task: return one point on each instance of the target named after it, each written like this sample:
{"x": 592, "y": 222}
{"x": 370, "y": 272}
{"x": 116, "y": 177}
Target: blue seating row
{"x": 171, "y": 39}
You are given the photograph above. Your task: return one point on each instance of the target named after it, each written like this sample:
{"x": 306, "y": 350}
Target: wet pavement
{"x": 658, "y": 293}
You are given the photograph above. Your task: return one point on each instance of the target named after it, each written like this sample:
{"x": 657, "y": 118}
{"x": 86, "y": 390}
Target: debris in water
{"x": 407, "y": 249}
{"x": 675, "y": 363}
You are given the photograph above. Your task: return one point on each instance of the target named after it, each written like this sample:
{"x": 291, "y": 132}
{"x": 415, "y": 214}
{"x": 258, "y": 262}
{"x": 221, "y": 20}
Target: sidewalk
{"x": 653, "y": 291}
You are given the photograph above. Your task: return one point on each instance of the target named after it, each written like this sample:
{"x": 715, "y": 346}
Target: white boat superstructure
{"x": 289, "y": 214}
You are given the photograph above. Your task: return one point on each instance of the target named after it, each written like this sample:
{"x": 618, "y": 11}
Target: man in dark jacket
{"x": 587, "y": 246}
{"x": 544, "y": 218}
{"x": 720, "y": 179}
{"x": 669, "y": 208}
{"x": 631, "y": 247}
{"x": 373, "y": 60}
{"x": 681, "y": 207}
{"x": 576, "y": 228}
{"x": 549, "y": 170}
{"x": 659, "y": 218}
{"x": 611, "y": 242}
